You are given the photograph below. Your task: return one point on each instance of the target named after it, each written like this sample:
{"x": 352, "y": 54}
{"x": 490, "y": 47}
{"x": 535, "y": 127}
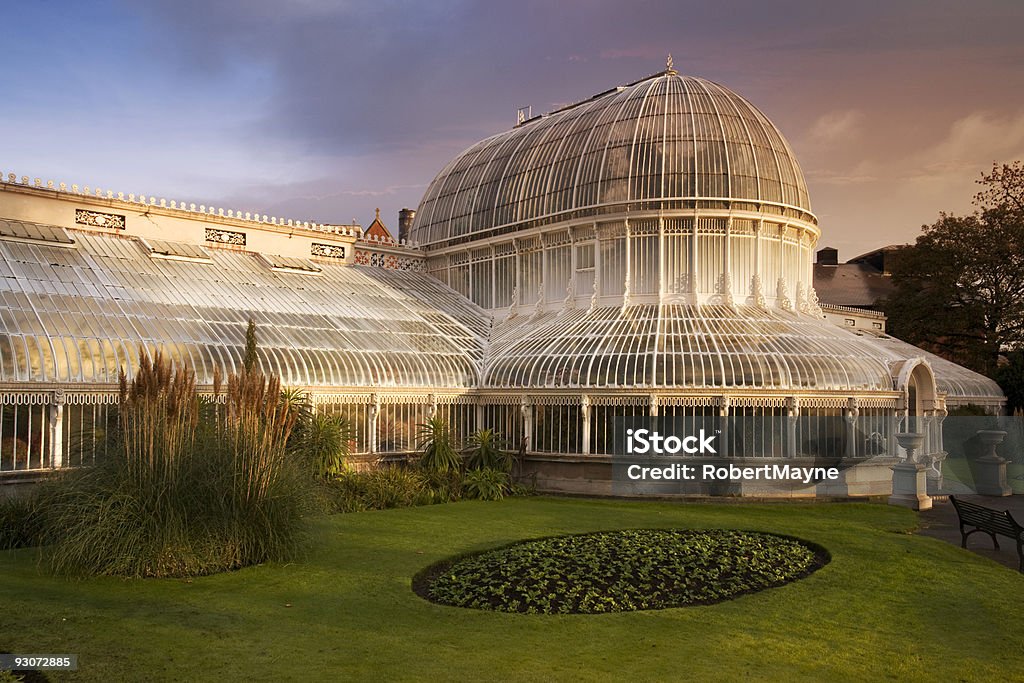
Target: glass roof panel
{"x": 382, "y": 327}
{"x": 33, "y": 231}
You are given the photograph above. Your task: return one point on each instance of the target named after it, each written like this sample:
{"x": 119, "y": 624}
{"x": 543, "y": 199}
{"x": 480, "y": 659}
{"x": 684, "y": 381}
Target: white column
{"x": 494, "y": 278}
{"x": 727, "y": 297}
{"x": 792, "y": 416}
{"x": 55, "y": 425}
{"x": 517, "y": 286}
{"x": 694, "y": 265}
{"x": 852, "y": 413}
{"x": 585, "y": 414}
{"x": 724, "y": 406}
{"x": 542, "y": 295}
{"x": 758, "y": 231}
{"x": 573, "y": 263}
{"x": 661, "y": 259}
{"x": 626, "y": 289}
{"x": 527, "y": 412}
{"x": 727, "y": 254}
{"x": 373, "y": 413}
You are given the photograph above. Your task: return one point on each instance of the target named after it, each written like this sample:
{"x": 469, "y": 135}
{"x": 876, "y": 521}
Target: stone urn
{"x": 911, "y": 443}
{"x": 990, "y": 469}
{"x": 909, "y": 481}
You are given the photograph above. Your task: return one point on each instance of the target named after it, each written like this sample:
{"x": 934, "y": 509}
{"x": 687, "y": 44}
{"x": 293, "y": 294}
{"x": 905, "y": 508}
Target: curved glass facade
{"x": 681, "y": 347}
{"x": 961, "y": 386}
{"x": 79, "y": 315}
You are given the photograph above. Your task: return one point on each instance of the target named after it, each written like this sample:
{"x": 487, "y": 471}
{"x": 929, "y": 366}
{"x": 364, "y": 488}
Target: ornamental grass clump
{"x": 188, "y": 486}
{"x": 260, "y": 491}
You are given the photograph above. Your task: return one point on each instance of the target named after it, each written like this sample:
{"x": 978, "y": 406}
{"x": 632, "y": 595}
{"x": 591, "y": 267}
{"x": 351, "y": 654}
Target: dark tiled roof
{"x": 851, "y": 284}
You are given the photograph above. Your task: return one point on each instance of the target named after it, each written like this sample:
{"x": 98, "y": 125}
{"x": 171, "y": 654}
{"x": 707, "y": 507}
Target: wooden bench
{"x": 990, "y": 521}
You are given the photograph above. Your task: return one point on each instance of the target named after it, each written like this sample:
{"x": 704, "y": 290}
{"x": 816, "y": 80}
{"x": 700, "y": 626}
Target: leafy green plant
{"x": 438, "y": 452}
{"x": 444, "y": 487}
{"x": 323, "y": 441}
{"x": 392, "y": 486}
{"x": 347, "y": 492}
{"x": 486, "y": 484}
{"x": 619, "y": 571}
{"x": 486, "y": 450}
{"x": 300, "y": 405}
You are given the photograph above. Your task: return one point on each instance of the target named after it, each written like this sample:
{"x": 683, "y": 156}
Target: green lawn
{"x": 890, "y": 606}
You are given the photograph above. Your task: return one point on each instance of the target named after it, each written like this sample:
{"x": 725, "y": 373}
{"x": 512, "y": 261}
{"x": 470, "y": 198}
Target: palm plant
{"x": 324, "y": 441}
{"x": 487, "y": 451}
{"x": 437, "y": 446}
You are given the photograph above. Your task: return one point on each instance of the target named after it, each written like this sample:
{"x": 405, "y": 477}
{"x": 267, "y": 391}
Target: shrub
{"x": 262, "y": 492}
{"x": 21, "y": 521}
{"x": 444, "y": 487}
{"x": 347, "y": 492}
{"x": 487, "y": 451}
{"x": 387, "y": 487}
{"x": 437, "y": 447}
{"x": 392, "y": 486}
{"x": 187, "y": 487}
{"x": 323, "y": 441}
{"x": 486, "y": 484}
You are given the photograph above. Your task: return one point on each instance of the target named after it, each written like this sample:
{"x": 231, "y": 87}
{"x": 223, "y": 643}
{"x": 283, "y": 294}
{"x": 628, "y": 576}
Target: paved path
{"x": 941, "y": 522}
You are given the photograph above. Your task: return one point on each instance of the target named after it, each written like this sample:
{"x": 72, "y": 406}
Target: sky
{"x": 325, "y": 110}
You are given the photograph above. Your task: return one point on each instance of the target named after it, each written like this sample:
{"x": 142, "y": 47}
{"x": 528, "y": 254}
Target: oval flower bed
{"x": 620, "y": 571}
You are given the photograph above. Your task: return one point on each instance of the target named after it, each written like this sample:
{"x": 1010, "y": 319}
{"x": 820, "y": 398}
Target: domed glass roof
{"x": 666, "y": 142}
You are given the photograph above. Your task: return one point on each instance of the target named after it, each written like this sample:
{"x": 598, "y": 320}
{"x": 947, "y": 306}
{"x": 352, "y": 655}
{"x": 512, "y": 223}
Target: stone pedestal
{"x": 909, "y": 481}
{"x": 990, "y": 469}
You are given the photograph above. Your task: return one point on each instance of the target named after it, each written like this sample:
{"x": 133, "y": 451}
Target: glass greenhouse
{"x": 646, "y": 252}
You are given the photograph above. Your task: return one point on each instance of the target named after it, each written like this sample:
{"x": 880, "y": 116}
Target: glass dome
{"x": 667, "y": 142}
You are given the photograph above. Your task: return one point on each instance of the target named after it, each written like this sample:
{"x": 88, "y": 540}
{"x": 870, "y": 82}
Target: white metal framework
{"x": 646, "y": 252}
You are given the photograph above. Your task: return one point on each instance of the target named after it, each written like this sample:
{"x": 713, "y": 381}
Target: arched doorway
{"x": 918, "y": 415}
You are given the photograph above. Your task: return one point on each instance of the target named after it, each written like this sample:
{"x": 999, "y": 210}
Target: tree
{"x": 249, "y": 360}
{"x": 1011, "y": 378}
{"x": 959, "y": 290}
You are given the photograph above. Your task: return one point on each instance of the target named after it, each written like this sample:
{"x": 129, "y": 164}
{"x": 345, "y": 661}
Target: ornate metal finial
{"x": 668, "y": 64}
